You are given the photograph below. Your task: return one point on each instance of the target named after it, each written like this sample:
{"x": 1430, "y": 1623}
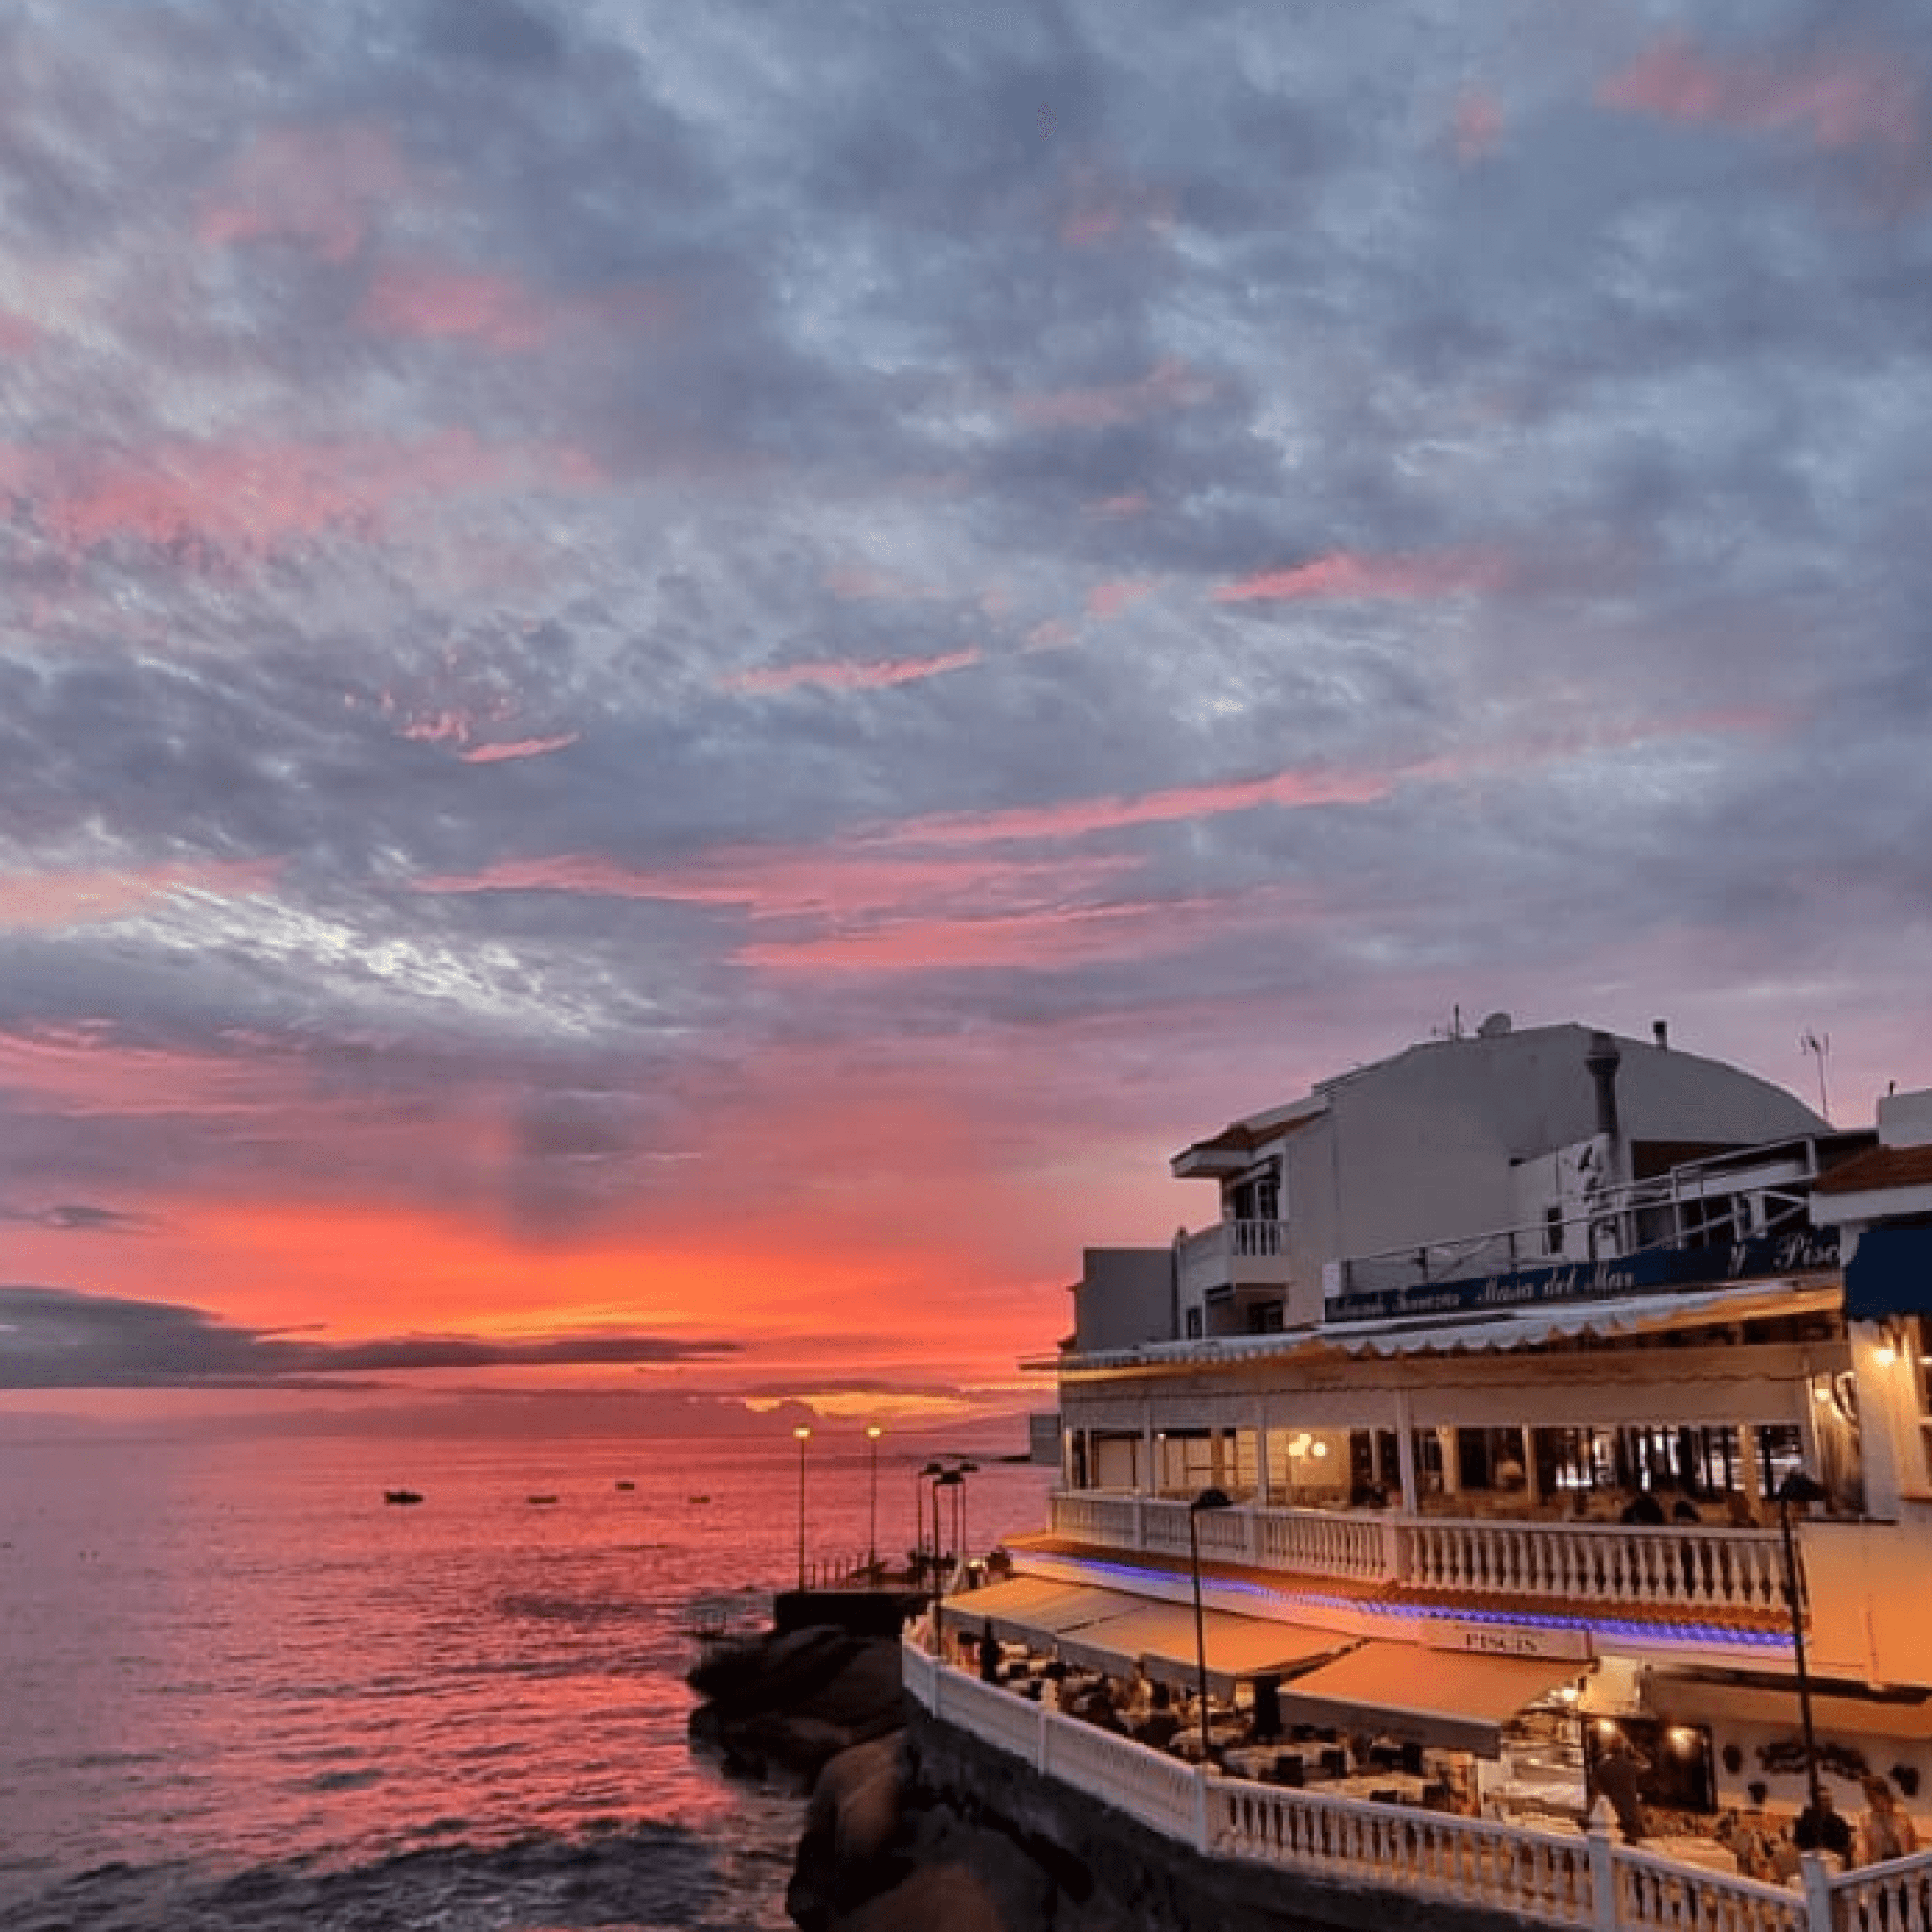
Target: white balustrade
{"x": 1892, "y": 1897}
{"x": 1679, "y": 1567}
{"x": 1654, "y": 1895}
{"x": 1151, "y": 1785}
{"x": 1321, "y": 1543}
{"x": 1560, "y": 1879}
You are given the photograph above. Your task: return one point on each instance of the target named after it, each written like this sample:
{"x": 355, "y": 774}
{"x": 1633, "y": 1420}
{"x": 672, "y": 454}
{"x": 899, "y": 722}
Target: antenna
{"x": 1818, "y": 1045}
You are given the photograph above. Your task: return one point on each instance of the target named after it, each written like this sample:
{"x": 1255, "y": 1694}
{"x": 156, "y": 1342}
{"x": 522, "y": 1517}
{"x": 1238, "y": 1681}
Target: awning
{"x": 1627, "y": 1315}
{"x": 1160, "y": 1638}
{"x": 1032, "y": 1610}
{"x": 1452, "y": 1698}
{"x": 1890, "y": 1273}
{"x": 1686, "y": 1701}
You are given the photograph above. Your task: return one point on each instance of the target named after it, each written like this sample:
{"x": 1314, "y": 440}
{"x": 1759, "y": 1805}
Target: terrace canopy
{"x": 1160, "y": 1638}
{"x": 1455, "y": 1699}
{"x": 1032, "y": 1610}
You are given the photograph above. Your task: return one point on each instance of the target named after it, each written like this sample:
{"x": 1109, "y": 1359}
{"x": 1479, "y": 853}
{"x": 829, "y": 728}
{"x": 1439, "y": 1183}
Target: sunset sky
{"x": 683, "y": 682}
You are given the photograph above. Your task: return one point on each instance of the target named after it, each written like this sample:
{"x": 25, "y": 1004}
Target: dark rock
{"x": 796, "y": 1701}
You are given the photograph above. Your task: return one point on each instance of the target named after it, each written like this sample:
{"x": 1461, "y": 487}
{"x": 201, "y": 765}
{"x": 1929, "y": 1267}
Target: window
{"x": 1552, "y": 1231}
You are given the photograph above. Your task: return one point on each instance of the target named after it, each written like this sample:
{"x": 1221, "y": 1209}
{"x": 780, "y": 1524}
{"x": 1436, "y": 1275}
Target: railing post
{"x": 1393, "y": 1539}
{"x": 1602, "y": 1870}
{"x": 1201, "y": 1775}
{"x": 1817, "y": 1892}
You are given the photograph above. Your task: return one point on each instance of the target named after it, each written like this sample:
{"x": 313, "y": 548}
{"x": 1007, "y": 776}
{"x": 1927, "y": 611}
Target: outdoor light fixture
{"x": 1891, "y": 1344}
{"x": 1208, "y": 1499}
{"x": 1798, "y": 1487}
{"x": 925, "y": 1475}
{"x": 804, "y": 1436}
{"x": 949, "y": 1479}
{"x": 873, "y": 1432}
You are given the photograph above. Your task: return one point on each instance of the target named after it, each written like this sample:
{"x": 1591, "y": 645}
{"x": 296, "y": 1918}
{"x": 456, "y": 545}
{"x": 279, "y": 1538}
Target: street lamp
{"x": 1798, "y": 1487}
{"x": 1208, "y": 1499}
{"x": 928, "y": 1474}
{"x": 962, "y": 1470}
{"x": 804, "y": 1436}
{"x": 947, "y": 1479}
{"x": 873, "y": 1432}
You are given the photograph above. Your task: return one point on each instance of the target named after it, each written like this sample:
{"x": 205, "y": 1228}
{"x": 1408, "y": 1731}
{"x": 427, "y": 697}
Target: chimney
{"x": 1660, "y": 1031}
{"x": 1602, "y": 1059}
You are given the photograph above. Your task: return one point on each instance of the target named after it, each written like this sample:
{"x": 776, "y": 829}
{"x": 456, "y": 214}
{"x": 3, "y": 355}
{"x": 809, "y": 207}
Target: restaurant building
{"x": 1530, "y": 1394}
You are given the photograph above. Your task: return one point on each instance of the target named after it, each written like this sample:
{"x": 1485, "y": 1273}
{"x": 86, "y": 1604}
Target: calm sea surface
{"x": 239, "y": 1692}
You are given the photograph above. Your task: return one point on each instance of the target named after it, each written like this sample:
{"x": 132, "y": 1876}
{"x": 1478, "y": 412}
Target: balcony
{"x": 1682, "y": 1570}
{"x": 1234, "y": 1254}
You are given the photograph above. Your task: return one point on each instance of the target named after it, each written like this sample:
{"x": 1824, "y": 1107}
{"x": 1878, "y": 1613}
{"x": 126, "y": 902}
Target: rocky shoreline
{"x": 878, "y": 1853}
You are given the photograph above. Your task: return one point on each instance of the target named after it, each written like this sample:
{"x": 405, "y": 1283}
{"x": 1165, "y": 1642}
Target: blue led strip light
{"x": 1705, "y": 1634}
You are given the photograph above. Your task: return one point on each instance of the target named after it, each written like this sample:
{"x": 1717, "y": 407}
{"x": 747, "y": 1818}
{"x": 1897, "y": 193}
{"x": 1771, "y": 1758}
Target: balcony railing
{"x": 1236, "y": 1254}
{"x": 1684, "y": 1568}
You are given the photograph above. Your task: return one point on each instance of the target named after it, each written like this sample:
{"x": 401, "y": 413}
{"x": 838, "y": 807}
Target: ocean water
{"x": 240, "y": 1693}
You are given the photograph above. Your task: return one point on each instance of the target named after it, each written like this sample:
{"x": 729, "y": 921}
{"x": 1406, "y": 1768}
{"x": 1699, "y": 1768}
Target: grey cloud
{"x": 58, "y": 1338}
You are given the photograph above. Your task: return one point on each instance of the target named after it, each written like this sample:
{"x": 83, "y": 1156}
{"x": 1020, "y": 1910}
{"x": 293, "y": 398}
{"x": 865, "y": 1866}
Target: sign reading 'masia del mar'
{"x": 1649, "y": 1271}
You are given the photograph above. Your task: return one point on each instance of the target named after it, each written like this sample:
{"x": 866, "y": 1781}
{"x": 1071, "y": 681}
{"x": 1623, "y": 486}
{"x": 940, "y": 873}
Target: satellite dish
{"x": 1495, "y": 1026}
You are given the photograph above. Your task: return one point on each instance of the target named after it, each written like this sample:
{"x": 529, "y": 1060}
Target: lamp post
{"x": 804, "y": 1436}
{"x": 947, "y": 1479}
{"x": 962, "y": 1470}
{"x": 928, "y": 1475}
{"x": 1208, "y": 1499}
{"x": 873, "y": 1432}
{"x": 1798, "y": 1487}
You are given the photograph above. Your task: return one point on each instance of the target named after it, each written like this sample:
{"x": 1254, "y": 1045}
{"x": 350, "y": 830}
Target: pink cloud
{"x": 1109, "y": 600}
{"x": 465, "y": 720}
{"x": 1838, "y": 98}
{"x": 1060, "y": 937}
{"x": 252, "y": 496}
{"x": 521, "y": 747}
{"x": 1170, "y": 385}
{"x": 1349, "y": 574}
{"x": 1478, "y": 126}
{"x": 1075, "y": 817}
{"x": 55, "y": 900}
{"x": 435, "y": 303}
{"x": 18, "y": 336}
{"x": 794, "y": 883}
{"x": 313, "y": 185}
{"x": 838, "y": 676}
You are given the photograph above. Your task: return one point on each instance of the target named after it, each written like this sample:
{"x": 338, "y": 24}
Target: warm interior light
{"x": 1320, "y": 1449}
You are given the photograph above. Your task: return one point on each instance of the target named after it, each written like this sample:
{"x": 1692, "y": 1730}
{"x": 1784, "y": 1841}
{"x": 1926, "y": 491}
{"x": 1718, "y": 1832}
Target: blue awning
{"x": 1890, "y": 1274}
